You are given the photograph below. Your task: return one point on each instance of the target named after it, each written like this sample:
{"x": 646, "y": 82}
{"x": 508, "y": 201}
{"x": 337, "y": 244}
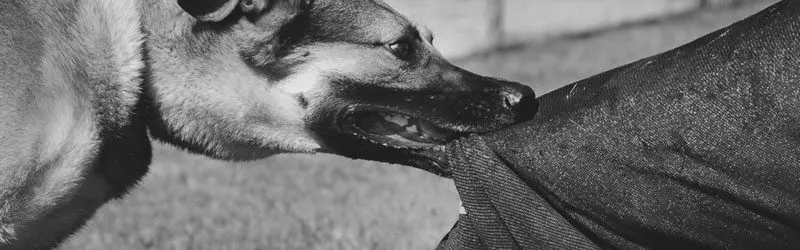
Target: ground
{"x": 328, "y": 202}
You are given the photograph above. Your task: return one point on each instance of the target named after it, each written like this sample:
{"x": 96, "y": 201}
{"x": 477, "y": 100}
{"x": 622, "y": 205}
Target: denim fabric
{"x": 698, "y": 147}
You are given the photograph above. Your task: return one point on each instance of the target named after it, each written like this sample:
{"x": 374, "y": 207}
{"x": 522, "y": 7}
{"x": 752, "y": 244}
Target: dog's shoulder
{"x": 88, "y": 63}
{"x": 70, "y": 98}
{"x": 102, "y": 60}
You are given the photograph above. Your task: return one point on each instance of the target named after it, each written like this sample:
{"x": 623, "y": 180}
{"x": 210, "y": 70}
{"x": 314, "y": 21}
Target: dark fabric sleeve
{"x": 695, "y": 148}
{"x": 463, "y": 236}
{"x": 502, "y": 211}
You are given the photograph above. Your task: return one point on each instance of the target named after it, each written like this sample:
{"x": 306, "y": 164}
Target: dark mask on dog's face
{"x": 368, "y": 82}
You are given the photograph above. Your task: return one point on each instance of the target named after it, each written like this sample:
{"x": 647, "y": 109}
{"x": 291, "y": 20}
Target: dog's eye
{"x": 401, "y": 49}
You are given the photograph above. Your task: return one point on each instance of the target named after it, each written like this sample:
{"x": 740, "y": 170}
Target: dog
{"x": 85, "y": 85}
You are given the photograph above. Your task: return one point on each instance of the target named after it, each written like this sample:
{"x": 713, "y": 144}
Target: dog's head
{"x": 350, "y": 77}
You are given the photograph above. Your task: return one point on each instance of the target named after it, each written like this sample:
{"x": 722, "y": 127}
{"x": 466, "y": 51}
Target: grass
{"x": 328, "y": 202}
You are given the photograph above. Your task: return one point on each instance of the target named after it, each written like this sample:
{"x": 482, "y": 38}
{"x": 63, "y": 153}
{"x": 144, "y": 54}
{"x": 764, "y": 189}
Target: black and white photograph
{"x": 399, "y": 124}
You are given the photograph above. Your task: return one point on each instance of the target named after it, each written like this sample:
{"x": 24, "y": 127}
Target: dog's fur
{"x": 83, "y": 81}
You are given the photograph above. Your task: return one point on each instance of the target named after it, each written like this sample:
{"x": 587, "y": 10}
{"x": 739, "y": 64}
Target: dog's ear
{"x": 209, "y": 10}
{"x": 217, "y": 10}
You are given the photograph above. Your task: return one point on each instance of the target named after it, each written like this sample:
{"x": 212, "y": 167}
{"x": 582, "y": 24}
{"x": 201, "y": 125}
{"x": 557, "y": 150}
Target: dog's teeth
{"x": 433, "y": 132}
{"x": 396, "y": 119}
{"x": 413, "y": 129}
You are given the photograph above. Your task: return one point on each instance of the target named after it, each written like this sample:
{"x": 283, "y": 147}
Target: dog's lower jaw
{"x": 236, "y": 151}
{"x": 288, "y": 141}
{"x": 265, "y": 141}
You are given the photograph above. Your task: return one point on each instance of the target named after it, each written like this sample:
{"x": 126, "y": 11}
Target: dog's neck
{"x": 162, "y": 38}
{"x": 165, "y": 26}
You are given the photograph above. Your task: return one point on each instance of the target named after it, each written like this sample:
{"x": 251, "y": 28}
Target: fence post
{"x": 496, "y": 30}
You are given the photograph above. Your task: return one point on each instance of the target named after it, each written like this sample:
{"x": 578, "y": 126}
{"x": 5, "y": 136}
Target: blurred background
{"x": 329, "y": 202}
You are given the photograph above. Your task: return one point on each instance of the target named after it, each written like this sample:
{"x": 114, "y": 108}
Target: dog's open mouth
{"x": 398, "y": 130}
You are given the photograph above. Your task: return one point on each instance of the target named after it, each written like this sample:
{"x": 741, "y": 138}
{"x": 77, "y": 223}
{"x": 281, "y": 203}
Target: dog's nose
{"x": 521, "y": 103}
{"x": 508, "y": 102}
{"x": 526, "y": 108}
